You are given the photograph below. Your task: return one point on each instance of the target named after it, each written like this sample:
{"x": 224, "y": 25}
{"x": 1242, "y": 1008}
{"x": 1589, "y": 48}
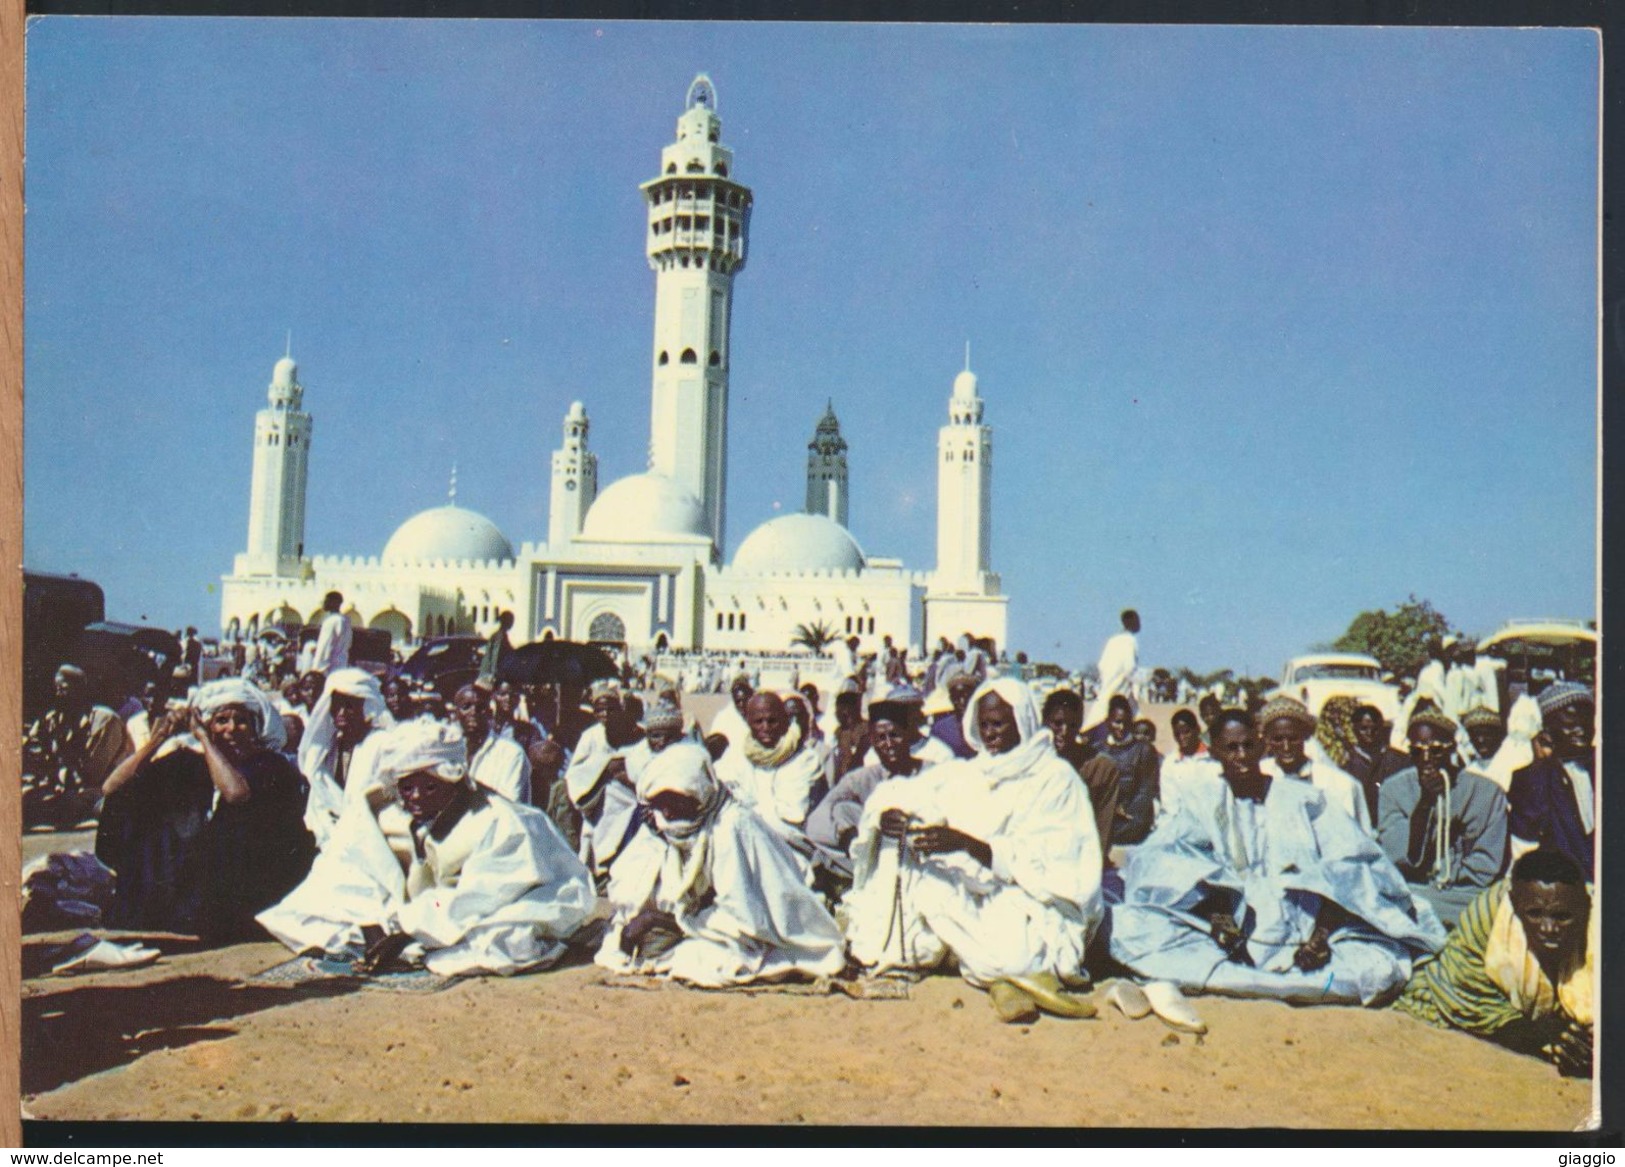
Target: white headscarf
{"x": 423, "y": 745}
{"x": 685, "y": 870}
{"x": 268, "y": 727}
{"x": 1036, "y": 740}
{"x": 321, "y": 734}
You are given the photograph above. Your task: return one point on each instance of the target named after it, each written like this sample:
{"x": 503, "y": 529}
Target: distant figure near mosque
{"x": 641, "y": 564}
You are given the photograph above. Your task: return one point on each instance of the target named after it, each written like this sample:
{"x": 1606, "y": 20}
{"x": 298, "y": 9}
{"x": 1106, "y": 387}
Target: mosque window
{"x": 607, "y": 627}
{"x": 871, "y": 624}
{"x": 722, "y": 169}
{"x": 671, "y": 168}
{"x": 702, "y": 223}
{"x": 689, "y": 357}
{"x": 695, "y": 166}
{"x": 741, "y": 621}
{"x": 719, "y": 621}
{"x": 714, "y": 134}
{"x": 665, "y": 358}
{"x": 703, "y": 190}
{"x": 716, "y": 358}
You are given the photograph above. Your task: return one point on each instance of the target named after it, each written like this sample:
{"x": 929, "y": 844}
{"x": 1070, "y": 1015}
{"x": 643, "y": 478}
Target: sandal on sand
{"x": 1013, "y": 1006}
{"x": 1168, "y": 1003}
{"x": 1048, "y": 994}
{"x": 1129, "y": 998}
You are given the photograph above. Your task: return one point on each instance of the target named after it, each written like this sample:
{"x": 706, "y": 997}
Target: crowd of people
{"x": 901, "y": 821}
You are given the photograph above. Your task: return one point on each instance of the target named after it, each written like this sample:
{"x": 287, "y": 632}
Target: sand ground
{"x": 187, "y": 1039}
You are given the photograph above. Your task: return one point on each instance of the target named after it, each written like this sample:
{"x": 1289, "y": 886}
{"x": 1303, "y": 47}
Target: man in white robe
{"x": 994, "y": 861}
{"x": 1257, "y": 888}
{"x": 425, "y": 865}
{"x": 1119, "y": 660}
{"x": 771, "y": 772}
{"x": 332, "y": 638}
{"x": 495, "y": 762}
{"x": 729, "y": 721}
{"x": 602, "y": 775}
{"x": 706, "y": 893}
{"x": 340, "y": 744}
{"x": 1287, "y": 726}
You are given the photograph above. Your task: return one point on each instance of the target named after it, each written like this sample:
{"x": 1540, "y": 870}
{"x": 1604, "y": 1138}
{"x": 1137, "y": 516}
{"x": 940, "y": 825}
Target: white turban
{"x": 685, "y": 869}
{"x": 321, "y": 733}
{"x": 1035, "y": 739}
{"x": 236, "y": 691}
{"x": 423, "y": 744}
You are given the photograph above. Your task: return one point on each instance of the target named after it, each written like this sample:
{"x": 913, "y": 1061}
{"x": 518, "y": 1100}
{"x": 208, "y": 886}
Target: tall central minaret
{"x": 698, "y": 223}
{"x": 276, "y": 505}
{"x": 964, "y": 490}
{"x": 826, "y": 469}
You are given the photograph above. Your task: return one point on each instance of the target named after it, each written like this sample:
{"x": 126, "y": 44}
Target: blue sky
{"x": 1273, "y": 324}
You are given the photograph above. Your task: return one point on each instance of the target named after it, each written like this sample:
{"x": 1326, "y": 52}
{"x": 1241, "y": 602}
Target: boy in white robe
{"x": 706, "y": 893}
{"x": 602, "y": 775}
{"x": 478, "y": 884}
{"x": 995, "y": 861}
{"x": 1287, "y": 726}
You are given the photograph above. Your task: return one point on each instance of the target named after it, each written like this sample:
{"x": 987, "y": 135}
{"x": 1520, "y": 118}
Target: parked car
{"x": 1317, "y": 676}
{"x": 1540, "y": 651}
{"x": 56, "y": 609}
{"x": 119, "y": 659}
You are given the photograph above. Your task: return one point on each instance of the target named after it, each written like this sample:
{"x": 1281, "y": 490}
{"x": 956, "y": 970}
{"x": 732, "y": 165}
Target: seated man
{"x": 948, "y": 725}
{"x": 1444, "y": 827}
{"x": 1371, "y": 759}
{"x": 602, "y": 776}
{"x": 335, "y": 746}
{"x": 769, "y": 772}
{"x": 930, "y": 750}
{"x": 1287, "y": 726}
{"x": 1137, "y": 766}
{"x": 1483, "y": 732}
{"x": 1190, "y": 765}
{"x": 851, "y": 736}
{"x": 1520, "y": 968}
{"x": 494, "y": 762}
{"x": 1257, "y": 888}
{"x": 1554, "y": 800}
{"x": 427, "y": 865}
{"x": 893, "y": 727}
{"x": 1063, "y": 717}
{"x": 729, "y": 722}
{"x": 993, "y": 861}
{"x": 706, "y": 893}
{"x": 205, "y": 833}
{"x": 69, "y": 752}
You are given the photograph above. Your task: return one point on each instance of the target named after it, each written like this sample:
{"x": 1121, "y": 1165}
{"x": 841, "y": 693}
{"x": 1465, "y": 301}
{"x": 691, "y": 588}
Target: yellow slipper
{"x": 1048, "y": 994}
{"x": 1013, "y": 1006}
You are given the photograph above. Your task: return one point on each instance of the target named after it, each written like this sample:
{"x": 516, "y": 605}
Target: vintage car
{"x": 1538, "y": 652}
{"x": 1316, "y": 676}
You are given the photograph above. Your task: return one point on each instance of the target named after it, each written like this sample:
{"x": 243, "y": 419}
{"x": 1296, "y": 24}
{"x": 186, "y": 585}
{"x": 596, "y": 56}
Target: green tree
{"x": 1398, "y": 639}
{"x": 814, "y": 636}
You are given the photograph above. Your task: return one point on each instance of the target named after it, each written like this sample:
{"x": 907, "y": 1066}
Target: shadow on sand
{"x": 78, "y": 1031}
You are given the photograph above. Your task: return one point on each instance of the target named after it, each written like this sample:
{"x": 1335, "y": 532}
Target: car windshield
{"x": 1336, "y": 672}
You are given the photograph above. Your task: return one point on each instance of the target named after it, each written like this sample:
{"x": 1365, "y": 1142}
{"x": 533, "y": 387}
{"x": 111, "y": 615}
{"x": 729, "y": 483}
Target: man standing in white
{"x": 333, "y": 641}
{"x": 1118, "y": 661}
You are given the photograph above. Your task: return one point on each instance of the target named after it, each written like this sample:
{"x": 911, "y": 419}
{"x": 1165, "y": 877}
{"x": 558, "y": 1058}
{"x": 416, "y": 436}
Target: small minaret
{"x": 826, "y": 468}
{"x": 575, "y": 480}
{"x": 964, "y": 489}
{"x": 698, "y": 223}
{"x": 276, "y": 505}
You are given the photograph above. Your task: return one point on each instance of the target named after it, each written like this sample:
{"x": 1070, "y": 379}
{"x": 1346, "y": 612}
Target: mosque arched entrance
{"x": 607, "y": 628}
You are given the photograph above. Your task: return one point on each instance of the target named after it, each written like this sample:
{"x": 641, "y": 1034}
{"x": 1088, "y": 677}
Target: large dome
{"x": 798, "y": 543}
{"x": 644, "y": 508}
{"x": 448, "y": 532}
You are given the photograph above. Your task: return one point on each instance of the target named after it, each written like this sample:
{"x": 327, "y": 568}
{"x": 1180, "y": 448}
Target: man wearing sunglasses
{"x": 1445, "y": 828}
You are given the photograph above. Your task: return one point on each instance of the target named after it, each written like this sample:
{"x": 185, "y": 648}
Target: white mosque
{"x": 641, "y": 563}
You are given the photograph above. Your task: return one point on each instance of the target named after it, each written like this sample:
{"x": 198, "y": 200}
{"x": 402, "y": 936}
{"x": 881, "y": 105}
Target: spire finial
{"x": 967, "y": 356}
{"x": 288, "y": 350}
{"x": 452, "y": 493}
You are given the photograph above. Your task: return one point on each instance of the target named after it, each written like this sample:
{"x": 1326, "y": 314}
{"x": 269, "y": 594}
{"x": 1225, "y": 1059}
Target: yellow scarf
{"x": 772, "y": 757}
{"x": 1518, "y": 974}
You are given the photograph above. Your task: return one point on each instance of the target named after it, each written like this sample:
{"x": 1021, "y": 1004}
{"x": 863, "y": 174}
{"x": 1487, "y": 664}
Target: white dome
{"x": 797, "y": 543}
{"x": 644, "y": 508}
{"x": 285, "y": 373}
{"x": 965, "y": 384}
{"x": 448, "y": 532}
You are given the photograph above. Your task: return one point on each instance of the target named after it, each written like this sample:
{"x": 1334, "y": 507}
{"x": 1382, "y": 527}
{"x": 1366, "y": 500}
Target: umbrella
{"x": 556, "y": 662}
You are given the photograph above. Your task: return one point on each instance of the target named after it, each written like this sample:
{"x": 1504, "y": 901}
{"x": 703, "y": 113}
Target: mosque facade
{"x": 642, "y": 563}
